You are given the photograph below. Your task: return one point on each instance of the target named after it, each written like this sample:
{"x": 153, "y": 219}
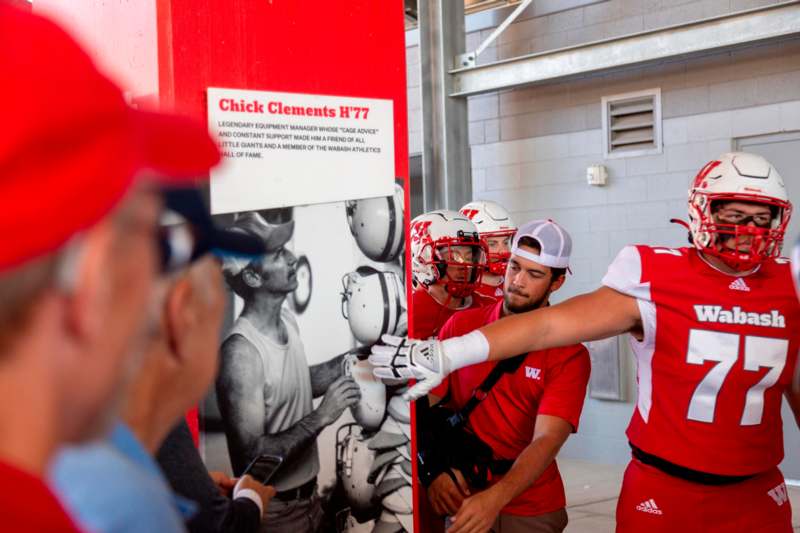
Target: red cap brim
{"x": 176, "y": 148}
{"x": 81, "y": 178}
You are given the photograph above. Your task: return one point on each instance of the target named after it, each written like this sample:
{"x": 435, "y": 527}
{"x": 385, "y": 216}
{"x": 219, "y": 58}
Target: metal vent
{"x": 632, "y": 123}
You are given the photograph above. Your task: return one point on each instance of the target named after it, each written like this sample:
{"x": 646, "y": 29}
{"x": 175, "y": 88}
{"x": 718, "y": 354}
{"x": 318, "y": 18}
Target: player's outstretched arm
{"x": 587, "y": 317}
{"x": 600, "y": 314}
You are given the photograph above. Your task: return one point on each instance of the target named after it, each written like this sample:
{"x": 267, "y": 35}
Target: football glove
{"x": 401, "y": 358}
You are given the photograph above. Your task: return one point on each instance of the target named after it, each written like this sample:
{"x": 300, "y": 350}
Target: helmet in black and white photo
{"x": 374, "y": 303}
{"x": 353, "y": 462}
{"x": 377, "y": 225}
{"x": 371, "y": 406}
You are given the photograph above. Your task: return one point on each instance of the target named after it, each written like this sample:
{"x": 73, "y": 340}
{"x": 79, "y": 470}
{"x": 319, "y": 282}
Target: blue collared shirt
{"x": 115, "y": 486}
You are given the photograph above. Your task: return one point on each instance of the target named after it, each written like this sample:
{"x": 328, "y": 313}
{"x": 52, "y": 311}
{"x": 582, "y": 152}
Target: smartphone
{"x": 263, "y": 468}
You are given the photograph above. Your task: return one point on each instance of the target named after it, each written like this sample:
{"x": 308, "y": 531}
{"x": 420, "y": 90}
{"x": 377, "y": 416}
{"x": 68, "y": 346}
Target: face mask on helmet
{"x": 741, "y": 238}
{"x": 446, "y": 250}
{"x": 497, "y": 260}
{"x": 460, "y": 265}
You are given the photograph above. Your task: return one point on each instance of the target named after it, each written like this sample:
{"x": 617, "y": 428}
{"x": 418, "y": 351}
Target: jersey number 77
{"x": 759, "y": 352}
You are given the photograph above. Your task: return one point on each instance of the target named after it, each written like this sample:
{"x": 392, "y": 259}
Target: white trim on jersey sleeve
{"x": 643, "y": 351}
{"x": 625, "y": 274}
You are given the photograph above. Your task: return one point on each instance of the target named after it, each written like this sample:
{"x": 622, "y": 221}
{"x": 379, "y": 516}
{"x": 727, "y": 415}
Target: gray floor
{"x": 592, "y": 496}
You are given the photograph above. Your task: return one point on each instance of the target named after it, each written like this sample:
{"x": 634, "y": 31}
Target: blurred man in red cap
{"x": 79, "y": 252}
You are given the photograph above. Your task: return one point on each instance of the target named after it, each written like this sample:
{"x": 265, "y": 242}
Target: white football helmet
{"x": 371, "y": 407}
{"x": 353, "y": 462}
{"x": 742, "y": 177}
{"x": 374, "y": 303}
{"x": 377, "y": 225}
{"x": 445, "y": 247}
{"x": 492, "y": 221}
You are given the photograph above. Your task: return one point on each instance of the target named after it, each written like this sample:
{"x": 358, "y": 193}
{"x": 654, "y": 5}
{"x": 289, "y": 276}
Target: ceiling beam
{"x": 676, "y": 42}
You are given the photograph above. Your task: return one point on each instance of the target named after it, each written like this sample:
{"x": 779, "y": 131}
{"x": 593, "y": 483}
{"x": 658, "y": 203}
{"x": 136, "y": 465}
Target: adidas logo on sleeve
{"x": 649, "y": 506}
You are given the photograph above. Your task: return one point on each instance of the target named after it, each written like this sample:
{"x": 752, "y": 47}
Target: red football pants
{"x": 654, "y": 502}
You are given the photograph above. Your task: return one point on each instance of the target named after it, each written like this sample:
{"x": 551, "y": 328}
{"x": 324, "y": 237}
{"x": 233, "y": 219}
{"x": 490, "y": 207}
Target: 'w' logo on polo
{"x": 779, "y": 494}
{"x": 532, "y": 373}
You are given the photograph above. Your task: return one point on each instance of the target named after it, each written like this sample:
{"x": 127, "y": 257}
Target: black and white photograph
{"x": 296, "y": 399}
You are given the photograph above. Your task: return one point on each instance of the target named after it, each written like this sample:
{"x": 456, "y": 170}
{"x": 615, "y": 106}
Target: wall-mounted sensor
{"x": 597, "y": 175}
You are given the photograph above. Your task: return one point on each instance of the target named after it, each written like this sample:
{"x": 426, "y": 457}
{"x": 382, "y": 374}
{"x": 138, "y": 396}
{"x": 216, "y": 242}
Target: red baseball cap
{"x": 70, "y": 147}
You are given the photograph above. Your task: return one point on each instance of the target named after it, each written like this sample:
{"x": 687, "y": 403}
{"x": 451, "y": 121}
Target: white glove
{"x": 404, "y": 359}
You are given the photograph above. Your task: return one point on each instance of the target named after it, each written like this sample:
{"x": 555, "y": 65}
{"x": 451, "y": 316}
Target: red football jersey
{"x": 549, "y": 382}
{"x": 491, "y": 291}
{"x": 428, "y": 316}
{"x": 718, "y": 353}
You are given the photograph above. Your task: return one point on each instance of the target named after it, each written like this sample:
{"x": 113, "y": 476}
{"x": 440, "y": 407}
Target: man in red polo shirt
{"x": 79, "y": 254}
{"x": 528, "y": 414}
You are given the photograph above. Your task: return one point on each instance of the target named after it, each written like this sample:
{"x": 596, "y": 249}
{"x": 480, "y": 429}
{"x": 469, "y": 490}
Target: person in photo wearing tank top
{"x": 265, "y": 387}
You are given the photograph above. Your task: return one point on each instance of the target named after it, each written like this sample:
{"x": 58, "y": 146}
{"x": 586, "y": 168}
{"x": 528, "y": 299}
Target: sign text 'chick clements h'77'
{"x": 285, "y": 149}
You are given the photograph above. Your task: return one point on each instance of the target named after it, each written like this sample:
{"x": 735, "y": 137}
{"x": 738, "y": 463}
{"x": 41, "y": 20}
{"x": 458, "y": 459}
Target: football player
{"x": 496, "y": 229}
{"x": 447, "y": 263}
{"x": 448, "y": 260}
{"x": 714, "y": 328}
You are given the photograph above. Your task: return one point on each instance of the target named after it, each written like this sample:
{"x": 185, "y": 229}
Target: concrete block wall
{"x": 531, "y": 147}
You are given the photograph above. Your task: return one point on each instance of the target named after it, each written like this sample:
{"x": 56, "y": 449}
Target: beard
{"x": 527, "y": 305}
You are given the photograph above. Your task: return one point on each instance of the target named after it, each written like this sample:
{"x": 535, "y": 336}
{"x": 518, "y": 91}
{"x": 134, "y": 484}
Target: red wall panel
{"x": 355, "y": 48}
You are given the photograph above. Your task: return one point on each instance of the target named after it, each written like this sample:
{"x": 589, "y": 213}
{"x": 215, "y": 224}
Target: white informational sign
{"x": 288, "y": 149}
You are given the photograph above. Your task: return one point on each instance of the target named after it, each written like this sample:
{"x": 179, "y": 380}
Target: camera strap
{"x": 507, "y": 366}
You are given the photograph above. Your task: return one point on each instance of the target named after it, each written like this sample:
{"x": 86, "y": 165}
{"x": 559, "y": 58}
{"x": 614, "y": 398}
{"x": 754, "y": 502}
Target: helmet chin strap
{"x": 680, "y": 223}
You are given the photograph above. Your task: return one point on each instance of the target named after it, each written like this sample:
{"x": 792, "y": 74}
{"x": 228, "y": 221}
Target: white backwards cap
{"x": 555, "y": 244}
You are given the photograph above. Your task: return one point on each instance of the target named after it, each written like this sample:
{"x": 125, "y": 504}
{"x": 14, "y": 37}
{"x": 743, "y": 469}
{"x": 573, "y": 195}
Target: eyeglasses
{"x": 761, "y": 220}
{"x": 179, "y": 246}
